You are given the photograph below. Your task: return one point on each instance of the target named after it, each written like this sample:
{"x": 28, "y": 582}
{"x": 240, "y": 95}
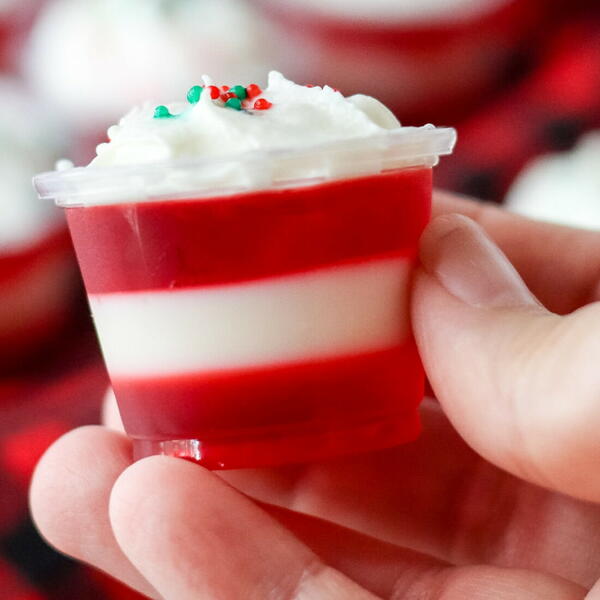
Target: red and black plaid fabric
{"x": 39, "y": 403}
{"x": 546, "y": 110}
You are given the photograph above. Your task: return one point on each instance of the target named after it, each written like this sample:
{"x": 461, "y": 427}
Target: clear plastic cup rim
{"x": 206, "y": 178}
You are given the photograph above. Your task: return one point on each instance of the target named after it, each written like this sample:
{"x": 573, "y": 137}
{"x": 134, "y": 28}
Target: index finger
{"x": 560, "y": 265}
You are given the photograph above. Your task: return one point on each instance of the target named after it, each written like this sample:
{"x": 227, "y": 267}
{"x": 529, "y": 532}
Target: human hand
{"x": 426, "y": 520}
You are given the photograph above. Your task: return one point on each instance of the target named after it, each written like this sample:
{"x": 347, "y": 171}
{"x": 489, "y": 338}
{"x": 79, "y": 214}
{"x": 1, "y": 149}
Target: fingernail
{"x": 459, "y": 254}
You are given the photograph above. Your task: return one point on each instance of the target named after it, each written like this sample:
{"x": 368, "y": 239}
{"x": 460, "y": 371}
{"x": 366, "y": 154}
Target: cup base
{"x": 272, "y": 450}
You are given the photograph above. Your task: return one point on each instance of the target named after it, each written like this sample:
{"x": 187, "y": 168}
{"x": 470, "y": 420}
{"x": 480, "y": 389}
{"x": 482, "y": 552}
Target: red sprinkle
{"x": 253, "y": 90}
{"x": 225, "y": 88}
{"x": 227, "y": 96}
{"x": 262, "y": 104}
{"x": 214, "y": 91}
{"x": 309, "y": 85}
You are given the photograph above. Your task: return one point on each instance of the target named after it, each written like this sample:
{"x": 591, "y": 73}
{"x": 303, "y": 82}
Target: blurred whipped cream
{"x": 401, "y": 10}
{"x": 9, "y": 6}
{"x": 300, "y": 116}
{"x": 29, "y": 142}
{"x": 562, "y": 188}
{"x": 91, "y": 60}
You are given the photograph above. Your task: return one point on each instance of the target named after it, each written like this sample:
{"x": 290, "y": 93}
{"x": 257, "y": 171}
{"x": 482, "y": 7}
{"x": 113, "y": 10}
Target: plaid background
{"x": 555, "y": 99}
{"x": 545, "y": 110}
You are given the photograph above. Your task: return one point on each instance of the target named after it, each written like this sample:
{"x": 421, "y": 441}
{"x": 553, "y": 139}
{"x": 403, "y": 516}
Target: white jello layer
{"x": 325, "y": 313}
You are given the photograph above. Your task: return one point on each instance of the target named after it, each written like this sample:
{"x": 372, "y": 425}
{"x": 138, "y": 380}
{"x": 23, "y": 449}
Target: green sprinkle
{"x": 239, "y": 91}
{"x": 162, "y": 112}
{"x": 194, "y": 94}
{"x": 234, "y": 103}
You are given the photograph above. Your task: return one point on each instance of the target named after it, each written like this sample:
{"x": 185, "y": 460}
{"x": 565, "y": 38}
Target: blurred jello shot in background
{"x": 544, "y": 189}
{"x": 422, "y": 57}
{"x": 247, "y": 255}
{"x": 37, "y": 267}
{"x": 91, "y": 61}
{"x": 16, "y": 17}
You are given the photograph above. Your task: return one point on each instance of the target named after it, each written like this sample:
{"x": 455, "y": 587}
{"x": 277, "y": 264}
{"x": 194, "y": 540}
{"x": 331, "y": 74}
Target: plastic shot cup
{"x": 253, "y": 310}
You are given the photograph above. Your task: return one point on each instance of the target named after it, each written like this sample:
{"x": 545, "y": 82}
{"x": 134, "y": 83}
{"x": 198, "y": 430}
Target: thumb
{"x": 520, "y": 384}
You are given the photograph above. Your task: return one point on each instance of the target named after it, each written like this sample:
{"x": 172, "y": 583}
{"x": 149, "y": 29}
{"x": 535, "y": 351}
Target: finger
{"x": 394, "y": 572}
{"x": 434, "y": 495}
{"x": 69, "y": 500}
{"x": 403, "y": 495}
{"x": 193, "y": 536}
{"x": 594, "y": 593}
{"x": 521, "y": 385}
{"x": 561, "y": 265}
{"x": 437, "y": 496}
{"x": 359, "y": 491}
{"x": 428, "y": 495}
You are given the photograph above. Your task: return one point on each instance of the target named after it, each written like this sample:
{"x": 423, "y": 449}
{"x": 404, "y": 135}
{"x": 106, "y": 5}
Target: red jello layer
{"x": 14, "y": 263}
{"x": 226, "y": 406}
{"x": 510, "y": 19}
{"x": 281, "y": 446}
{"x": 175, "y": 244}
{"x": 36, "y": 289}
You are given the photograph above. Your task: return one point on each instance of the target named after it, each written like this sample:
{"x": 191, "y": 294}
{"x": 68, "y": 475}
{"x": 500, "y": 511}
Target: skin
{"x": 498, "y": 499}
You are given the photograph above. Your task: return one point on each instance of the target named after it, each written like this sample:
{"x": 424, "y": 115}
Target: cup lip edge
{"x": 435, "y": 141}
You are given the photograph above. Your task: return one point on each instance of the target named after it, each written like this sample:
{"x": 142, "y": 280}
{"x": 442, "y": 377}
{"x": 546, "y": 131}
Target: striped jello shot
{"x": 252, "y": 305}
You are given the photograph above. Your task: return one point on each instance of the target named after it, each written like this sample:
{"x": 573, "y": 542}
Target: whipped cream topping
{"x": 401, "y": 10}
{"x": 562, "y": 188}
{"x": 92, "y": 60}
{"x": 204, "y": 148}
{"x": 300, "y": 116}
{"x": 28, "y": 143}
